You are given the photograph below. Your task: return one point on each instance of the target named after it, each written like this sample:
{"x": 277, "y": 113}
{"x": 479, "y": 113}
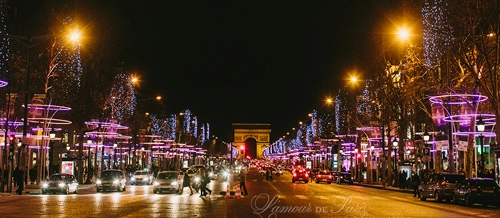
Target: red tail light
{"x": 330, "y": 176}
{"x": 294, "y": 175}
{"x": 307, "y": 175}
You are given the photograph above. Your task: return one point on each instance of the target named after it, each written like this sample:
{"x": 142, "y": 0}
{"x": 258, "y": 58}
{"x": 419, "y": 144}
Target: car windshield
{"x": 324, "y": 173}
{"x": 141, "y": 173}
{"x": 454, "y": 178}
{"x": 484, "y": 183}
{"x": 110, "y": 174}
{"x": 167, "y": 176}
{"x": 55, "y": 177}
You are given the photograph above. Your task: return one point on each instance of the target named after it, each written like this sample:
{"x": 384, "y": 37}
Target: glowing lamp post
{"x": 480, "y": 128}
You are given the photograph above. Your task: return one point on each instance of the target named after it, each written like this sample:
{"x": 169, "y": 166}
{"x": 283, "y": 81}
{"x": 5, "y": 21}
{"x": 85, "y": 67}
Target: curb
{"x": 388, "y": 188}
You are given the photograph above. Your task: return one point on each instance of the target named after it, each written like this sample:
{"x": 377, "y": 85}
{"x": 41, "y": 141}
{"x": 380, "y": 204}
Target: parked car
{"x": 324, "y": 176}
{"x": 60, "y": 183}
{"x": 111, "y": 180}
{"x": 142, "y": 177}
{"x": 484, "y": 191}
{"x": 440, "y": 186}
{"x": 167, "y": 181}
{"x": 300, "y": 174}
{"x": 344, "y": 177}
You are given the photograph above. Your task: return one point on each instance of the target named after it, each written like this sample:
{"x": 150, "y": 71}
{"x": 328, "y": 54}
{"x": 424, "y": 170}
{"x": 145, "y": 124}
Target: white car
{"x": 141, "y": 177}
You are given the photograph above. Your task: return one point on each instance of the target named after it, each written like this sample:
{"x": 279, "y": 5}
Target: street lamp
{"x": 426, "y": 137}
{"x": 480, "y": 128}
{"x": 115, "y": 145}
{"x": 395, "y": 145}
{"x": 52, "y": 136}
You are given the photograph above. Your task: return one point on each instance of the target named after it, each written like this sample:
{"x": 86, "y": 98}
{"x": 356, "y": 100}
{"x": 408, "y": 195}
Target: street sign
{"x": 426, "y": 158}
{"x": 426, "y": 154}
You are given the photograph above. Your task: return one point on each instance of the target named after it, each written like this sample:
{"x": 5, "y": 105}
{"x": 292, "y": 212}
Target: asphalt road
{"x": 277, "y": 198}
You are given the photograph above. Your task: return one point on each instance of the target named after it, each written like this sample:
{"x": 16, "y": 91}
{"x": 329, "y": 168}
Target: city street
{"x": 277, "y": 198}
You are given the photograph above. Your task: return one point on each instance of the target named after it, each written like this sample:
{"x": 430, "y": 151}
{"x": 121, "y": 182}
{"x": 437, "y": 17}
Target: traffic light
{"x": 11, "y": 139}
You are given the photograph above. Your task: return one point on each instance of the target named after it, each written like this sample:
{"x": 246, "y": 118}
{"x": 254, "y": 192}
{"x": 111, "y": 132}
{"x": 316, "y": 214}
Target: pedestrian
{"x": 270, "y": 174}
{"x": 186, "y": 182}
{"x": 18, "y": 177}
{"x": 33, "y": 175}
{"x": 203, "y": 190}
{"x": 415, "y": 181}
{"x": 243, "y": 178}
{"x": 267, "y": 174}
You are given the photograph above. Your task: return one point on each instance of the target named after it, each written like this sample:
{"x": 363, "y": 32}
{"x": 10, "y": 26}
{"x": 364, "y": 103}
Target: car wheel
{"x": 423, "y": 198}
{"x": 154, "y": 191}
{"x": 307, "y": 181}
{"x": 437, "y": 197}
{"x": 98, "y": 190}
{"x": 329, "y": 182}
{"x": 317, "y": 181}
{"x": 468, "y": 203}
{"x": 76, "y": 190}
{"x": 293, "y": 181}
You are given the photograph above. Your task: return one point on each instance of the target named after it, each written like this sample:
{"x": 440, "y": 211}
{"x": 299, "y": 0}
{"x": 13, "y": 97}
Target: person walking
{"x": 415, "y": 181}
{"x": 186, "y": 182}
{"x": 203, "y": 184}
{"x": 19, "y": 179}
{"x": 243, "y": 178}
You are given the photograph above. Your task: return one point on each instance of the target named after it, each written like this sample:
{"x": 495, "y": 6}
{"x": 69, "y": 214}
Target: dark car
{"x": 483, "y": 191}
{"x": 111, "y": 180}
{"x": 167, "y": 181}
{"x": 60, "y": 183}
{"x": 440, "y": 186}
{"x": 344, "y": 177}
{"x": 324, "y": 176}
{"x": 300, "y": 174}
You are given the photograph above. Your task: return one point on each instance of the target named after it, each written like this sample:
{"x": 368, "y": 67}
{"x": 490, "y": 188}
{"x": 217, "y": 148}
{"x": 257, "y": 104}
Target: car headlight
{"x": 133, "y": 179}
{"x": 146, "y": 179}
{"x": 98, "y": 182}
{"x": 197, "y": 179}
{"x": 226, "y": 173}
{"x": 45, "y": 185}
{"x": 62, "y": 184}
{"x": 156, "y": 183}
{"x": 116, "y": 182}
{"x": 174, "y": 183}
{"x": 211, "y": 174}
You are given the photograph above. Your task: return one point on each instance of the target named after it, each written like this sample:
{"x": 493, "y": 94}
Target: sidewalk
{"x": 33, "y": 189}
{"x": 380, "y": 186}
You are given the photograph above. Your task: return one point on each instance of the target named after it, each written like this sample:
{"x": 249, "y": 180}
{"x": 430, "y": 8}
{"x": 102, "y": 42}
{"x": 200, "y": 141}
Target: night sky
{"x": 249, "y": 61}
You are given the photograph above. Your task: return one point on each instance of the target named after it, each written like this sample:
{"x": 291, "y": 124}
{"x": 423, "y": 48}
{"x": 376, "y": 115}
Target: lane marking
{"x": 322, "y": 197}
{"x": 303, "y": 197}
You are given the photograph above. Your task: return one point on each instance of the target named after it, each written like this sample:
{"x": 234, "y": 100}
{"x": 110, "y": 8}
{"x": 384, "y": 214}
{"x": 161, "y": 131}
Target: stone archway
{"x": 254, "y": 138}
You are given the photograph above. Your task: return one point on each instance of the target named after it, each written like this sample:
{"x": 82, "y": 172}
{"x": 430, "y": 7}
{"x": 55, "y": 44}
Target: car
{"x": 484, "y": 191}
{"x": 278, "y": 171}
{"x": 344, "y": 177}
{"x": 141, "y": 177}
{"x": 440, "y": 186}
{"x": 300, "y": 174}
{"x": 111, "y": 180}
{"x": 167, "y": 181}
{"x": 60, "y": 183}
{"x": 324, "y": 176}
